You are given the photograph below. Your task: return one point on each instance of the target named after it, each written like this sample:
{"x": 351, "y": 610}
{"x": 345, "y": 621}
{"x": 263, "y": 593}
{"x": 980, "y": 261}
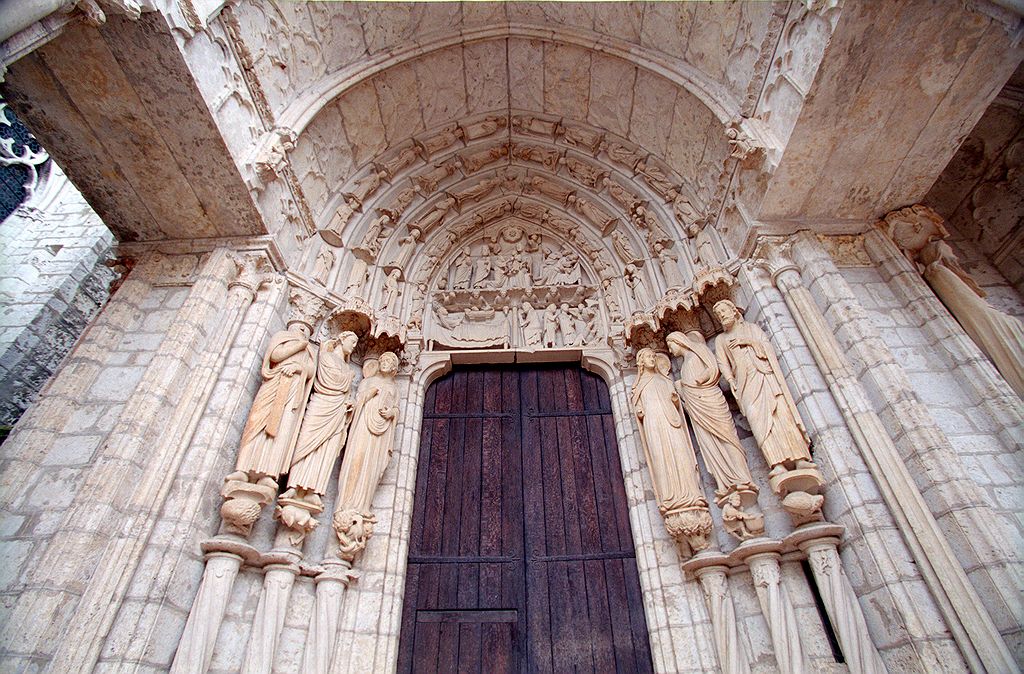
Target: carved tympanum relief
{"x": 514, "y": 288}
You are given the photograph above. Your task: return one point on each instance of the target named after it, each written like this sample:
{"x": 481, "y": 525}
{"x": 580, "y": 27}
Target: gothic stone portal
{"x": 521, "y": 556}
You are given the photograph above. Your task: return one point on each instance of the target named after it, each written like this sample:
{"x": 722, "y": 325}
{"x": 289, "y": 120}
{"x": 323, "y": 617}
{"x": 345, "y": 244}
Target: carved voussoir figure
{"x": 321, "y": 437}
{"x": 670, "y": 456}
{"x": 370, "y": 445}
{"x": 749, "y": 364}
{"x": 269, "y": 436}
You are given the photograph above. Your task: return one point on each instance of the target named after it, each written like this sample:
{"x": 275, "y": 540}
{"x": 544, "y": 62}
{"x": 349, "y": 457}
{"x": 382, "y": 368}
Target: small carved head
{"x": 348, "y": 341}
{"x": 301, "y": 327}
{"x": 646, "y": 359}
{"x": 677, "y": 343}
{"x": 727, "y": 313}
{"x": 388, "y": 363}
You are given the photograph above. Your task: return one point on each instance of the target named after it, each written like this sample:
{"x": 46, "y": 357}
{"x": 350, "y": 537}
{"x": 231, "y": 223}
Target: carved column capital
{"x": 774, "y": 255}
{"x": 248, "y": 276}
{"x": 306, "y": 308}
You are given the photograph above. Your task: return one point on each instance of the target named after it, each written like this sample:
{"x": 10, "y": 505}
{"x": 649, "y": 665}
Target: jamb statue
{"x": 369, "y": 449}
{"x": 748, "y": 362}
{"x": 270, "y": 433}
{"x": 670, "y": 456}
{"x": 321, "y": 437}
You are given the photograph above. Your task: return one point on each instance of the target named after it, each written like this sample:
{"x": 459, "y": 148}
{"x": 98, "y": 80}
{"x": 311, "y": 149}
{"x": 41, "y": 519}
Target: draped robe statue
{"x": 999, "y": 335}
{"x": 753, "y": 372}
{"x": 370, "y": 445}
{"x": 530, "y": 320}
{"x": 325, "y": 424}
{"x": 670, "y": 456}
{"x": 270, "y": 433}
{"x": 269, "y": 436}
{"x": 321, "y": 436}
{"x": 709, "y": 412}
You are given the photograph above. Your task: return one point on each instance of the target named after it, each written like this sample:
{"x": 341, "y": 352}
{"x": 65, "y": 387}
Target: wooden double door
{"x": 521, "y": 556}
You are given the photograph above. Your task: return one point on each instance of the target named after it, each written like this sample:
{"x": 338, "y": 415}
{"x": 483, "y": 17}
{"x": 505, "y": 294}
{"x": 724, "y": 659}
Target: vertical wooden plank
{"x": 496, "y": 645}
{"x": 513, "y": 637}
{"x": 538, "y": 635}
{"x": 407, "y": 635}
{"x": 436, "y": 470}
{"x": 637, "y": 620}
{"x": 602, "y": 477}
{"x": 621, "y": 504}
{"x": 601, "y": 633}
{"x": 424, "y": 659}
{"x": 448, "y": 647}
{"x": 469, "y": 648}
{"x": 618, "y": 605}
{"x": 589, "y": 383}
{"x": 469, "y": 521}
{"x": 453, "y": 483}
{"x": 427, "y": 641}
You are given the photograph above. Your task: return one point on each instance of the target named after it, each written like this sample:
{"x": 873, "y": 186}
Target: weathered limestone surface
{"x": 453, "y": 183}
{"x": 53, "y": 283}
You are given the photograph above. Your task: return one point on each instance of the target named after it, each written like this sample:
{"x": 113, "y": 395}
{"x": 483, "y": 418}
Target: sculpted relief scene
{"x": 521, "y": 337}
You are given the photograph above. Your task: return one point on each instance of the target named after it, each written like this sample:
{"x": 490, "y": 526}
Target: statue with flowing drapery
{"x": 669, "y": 452}
{"x": 712, "y": 421}
{"x": 748, "y": 361}
{"x": 370, "y": 445}
{"x": 749, "y": 364}
{"x": 999, "y": 335}
{"x": 321, "y": 437}
{"x": 268, "y": 439}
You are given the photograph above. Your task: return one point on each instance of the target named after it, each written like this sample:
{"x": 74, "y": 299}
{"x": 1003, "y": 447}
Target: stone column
{"x": 962, "y": 608}
{"x": 224, "y": 553}
{"x": 278, "y": 580}
{"x": 195, "y": 651}
{"x": 322, "y": 636}
{"x": 979, "y": 376}
{"x": 710, "y": 569}
{"x": 763, "y": 558}
{"x": 179, "y": 377}
{"x": 822, "y": 548}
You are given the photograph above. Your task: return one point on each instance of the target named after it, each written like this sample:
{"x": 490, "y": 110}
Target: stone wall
{"x": 52, "y": 282}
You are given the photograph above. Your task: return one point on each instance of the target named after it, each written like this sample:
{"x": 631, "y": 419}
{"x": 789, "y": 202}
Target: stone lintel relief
{"x": 919, "y": 232}
{"x": 513, "y": 287}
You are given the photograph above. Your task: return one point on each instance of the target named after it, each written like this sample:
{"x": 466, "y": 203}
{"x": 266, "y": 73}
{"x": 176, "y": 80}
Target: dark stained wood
{"x": 521, "y": 557}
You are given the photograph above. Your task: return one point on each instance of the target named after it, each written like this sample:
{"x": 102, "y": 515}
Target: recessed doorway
{"x": 521, "y": 555}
